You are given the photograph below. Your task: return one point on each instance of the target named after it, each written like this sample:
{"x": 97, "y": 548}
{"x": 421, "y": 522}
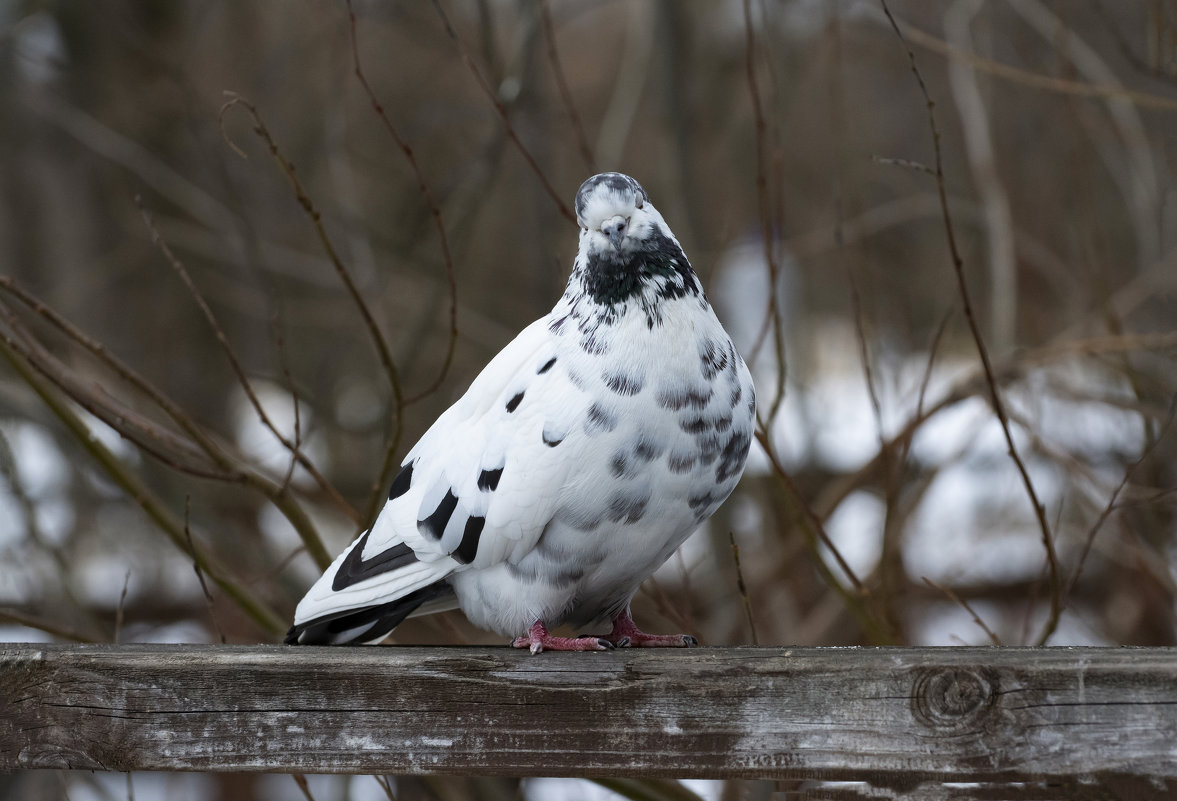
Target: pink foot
{"x": 626, "y": 634}
{"x": 538, "y": 639}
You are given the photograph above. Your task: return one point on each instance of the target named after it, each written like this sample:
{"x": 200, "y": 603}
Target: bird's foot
{"x": 538, "y": 639}
{"x": 626, "y": 634}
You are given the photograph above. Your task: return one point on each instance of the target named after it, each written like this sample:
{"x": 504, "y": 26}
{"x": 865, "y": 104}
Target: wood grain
{"x": 890, "y": 716}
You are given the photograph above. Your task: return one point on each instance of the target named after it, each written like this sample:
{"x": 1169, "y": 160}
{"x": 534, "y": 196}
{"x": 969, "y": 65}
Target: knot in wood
{"x": 951, "y": 699}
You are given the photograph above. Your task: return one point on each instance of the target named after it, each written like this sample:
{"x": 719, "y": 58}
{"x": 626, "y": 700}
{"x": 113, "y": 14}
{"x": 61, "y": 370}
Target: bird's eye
{"x": 639, "y": 202}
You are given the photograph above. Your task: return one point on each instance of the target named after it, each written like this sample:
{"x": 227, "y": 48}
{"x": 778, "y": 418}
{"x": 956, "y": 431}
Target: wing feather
{"x": 477, "y": 489}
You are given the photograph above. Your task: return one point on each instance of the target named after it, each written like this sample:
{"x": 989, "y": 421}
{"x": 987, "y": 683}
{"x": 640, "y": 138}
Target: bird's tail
{"x": 368, "y": 624}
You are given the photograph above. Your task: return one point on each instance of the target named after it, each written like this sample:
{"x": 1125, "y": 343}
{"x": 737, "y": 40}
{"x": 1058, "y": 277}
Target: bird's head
{"x": 626, "y": 249}
{"x": 614, "y": 212}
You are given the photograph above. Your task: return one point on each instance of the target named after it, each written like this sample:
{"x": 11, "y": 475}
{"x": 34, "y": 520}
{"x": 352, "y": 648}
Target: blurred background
{"x": 176, "y": 325}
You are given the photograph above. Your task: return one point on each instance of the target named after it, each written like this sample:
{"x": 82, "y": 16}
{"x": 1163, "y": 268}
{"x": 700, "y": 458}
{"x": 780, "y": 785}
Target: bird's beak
{"x": 615, "y": 228}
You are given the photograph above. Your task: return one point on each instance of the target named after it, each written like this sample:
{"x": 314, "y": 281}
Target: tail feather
{"x": 365, "y": 624}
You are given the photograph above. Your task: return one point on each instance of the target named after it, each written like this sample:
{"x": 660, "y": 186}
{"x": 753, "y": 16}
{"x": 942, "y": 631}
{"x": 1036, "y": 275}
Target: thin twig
{"x": 586, "y": 152}
{"x": 925, "y": 381}
{"x": 1052, "y": 622}
{"x": 890, "y": 570}
{"x": 933, "y": 350}
{"x": 46, "y": 625}
{"x": 772, "y": 317}
{"x": 33, "y": 534}
{"x": 316, "y": 218}
{"x": 967, "y": 386}
{"x": 208, "y": 598}
{"x": 962, "y": 288}
{"x": 648, "y": 789}
{"x": 1032, "y": 79}
{"x": 386, "y": 786}
{"x": 279, "y": 567}
{"x": 731, "y": 536}
{"x": 501, "y": 110}
{"x": 961, "y": 602}
{"x": 296, "y": 407}
{"x": 864, "y": 356}
{"x": 427, "y": 196}
{"x": 301, "y": 780}
{"x": 235, "y": 364}
{"x": 855, "y": 600}
{"x": 998, "y": 230}
{"x": 378, "y": 341}
{"x": 818, "y": 529}
{"x": 1094, "y": 346}
{"x": 118, "y": 612}
{"x": 666, "y": 607}
{"x": 687, "y": 594}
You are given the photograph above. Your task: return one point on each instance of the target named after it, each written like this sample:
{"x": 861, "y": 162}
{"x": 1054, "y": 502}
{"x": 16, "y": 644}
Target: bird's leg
{"x": 626, "y": 634}
{"x": 538, "y": 639}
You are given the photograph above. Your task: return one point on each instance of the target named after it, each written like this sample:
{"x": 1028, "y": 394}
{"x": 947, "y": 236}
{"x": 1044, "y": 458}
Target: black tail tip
{"x": 366, "y": 624}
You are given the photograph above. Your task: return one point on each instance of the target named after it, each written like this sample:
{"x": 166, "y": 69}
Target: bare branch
{"x": 982, "y": 160}
{"x": 118, "y": 612}
{"x": 501, "y": 110}
{"x": 239, "y": 371}
{"x": 316, "y": 218}
{"x": 815, "y": 531}
{"x": 344, "y": 274}
{"x": 1052, "y": 621}
{"x": 956, "y": 599}
{"x": 742, "y": 587}
{"x": 974, "y": 329}
{"x": 208, "y": 598}
{"x": 386, "y": 786}
{"x": 186, "y": 456}
{"x": 301, "y": 781}
{"x": 772, "y": 316}
{"x": 1035, "y": 80}
{"x": 137, "y": 491}
{"x": 586, "y": 152}
{"x": 10, "y": 615}
{"x": 427, "y": 196}
{"x": 161, "y": 444}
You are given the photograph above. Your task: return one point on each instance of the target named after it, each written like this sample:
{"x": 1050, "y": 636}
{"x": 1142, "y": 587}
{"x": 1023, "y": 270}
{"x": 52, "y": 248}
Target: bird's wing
{"x": 477, "y": 489}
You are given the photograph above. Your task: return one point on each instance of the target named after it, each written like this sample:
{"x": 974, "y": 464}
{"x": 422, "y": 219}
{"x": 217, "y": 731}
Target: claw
{"x": 626, "y": 634}
{"x": 538, "y": 639}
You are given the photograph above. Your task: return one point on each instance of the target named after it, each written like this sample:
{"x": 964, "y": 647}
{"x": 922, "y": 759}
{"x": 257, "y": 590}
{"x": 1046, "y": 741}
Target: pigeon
{"x": 578, "y": 461}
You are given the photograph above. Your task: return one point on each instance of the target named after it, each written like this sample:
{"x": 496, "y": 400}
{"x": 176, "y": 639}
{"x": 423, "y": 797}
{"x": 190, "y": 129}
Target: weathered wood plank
{"x": 886, "y": 715}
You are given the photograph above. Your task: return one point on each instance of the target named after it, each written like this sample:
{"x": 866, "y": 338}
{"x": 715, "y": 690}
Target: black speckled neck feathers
{"x": 612, "y": 278}
{"x": 645, "y": 277}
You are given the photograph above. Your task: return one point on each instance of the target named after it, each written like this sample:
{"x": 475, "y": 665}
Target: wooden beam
{"x": 891, "y": 716}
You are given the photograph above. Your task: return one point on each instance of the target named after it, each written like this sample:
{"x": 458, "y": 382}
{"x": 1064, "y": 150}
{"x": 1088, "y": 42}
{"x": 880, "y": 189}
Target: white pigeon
{"x": 577, "y": 462}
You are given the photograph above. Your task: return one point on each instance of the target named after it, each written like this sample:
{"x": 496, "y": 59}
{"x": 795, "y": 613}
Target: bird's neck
{"x": 609, "y": 285}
